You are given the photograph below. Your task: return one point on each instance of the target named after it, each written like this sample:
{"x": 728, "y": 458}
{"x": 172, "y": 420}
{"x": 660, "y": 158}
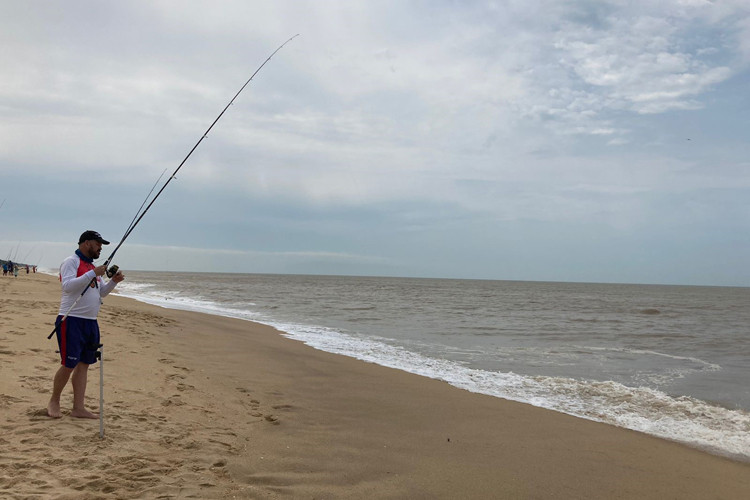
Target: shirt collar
{"x": 83, "y": 257}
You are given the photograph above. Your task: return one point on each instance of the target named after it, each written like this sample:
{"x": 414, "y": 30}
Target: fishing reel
{"x": 112, "y": 271}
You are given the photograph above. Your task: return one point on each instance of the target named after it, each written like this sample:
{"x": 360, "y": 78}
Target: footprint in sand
{"x": 6, "y": 400}
{"x": 37, "y": 383}
{"x": 273, "y": 419}
{"x": 254, "y": 405}
{"x": 37, "y": 413}
{"x": 173, "y": 400}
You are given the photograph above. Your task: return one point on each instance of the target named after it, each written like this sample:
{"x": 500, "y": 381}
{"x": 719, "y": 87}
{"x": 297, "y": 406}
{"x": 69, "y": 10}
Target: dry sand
{"x": 206, "y": 407}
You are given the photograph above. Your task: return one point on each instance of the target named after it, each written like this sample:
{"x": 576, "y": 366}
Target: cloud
{"x": 410, "y": 116}
{"x": 643, "y": 60}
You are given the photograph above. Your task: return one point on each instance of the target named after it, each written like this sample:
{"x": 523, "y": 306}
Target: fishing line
{"x": 144, "y": 202}
{"x": 27, "y": 255}
{"x": 140, "y": 214}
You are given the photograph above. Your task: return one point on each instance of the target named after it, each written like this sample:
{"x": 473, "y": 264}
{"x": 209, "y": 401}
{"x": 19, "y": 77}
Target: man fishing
{"x": 76, "y": 328}
{"x": 78, "y": 332}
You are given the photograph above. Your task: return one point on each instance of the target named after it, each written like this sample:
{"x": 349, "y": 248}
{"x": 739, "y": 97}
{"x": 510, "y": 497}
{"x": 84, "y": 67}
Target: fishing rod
{"x": 205, "y": 134}
{"x": 139, "y": 215}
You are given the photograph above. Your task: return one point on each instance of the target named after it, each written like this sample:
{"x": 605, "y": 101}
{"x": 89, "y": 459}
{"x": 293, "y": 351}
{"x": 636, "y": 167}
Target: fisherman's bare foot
{"x": 53, "y": 410}
{"x": 83, "y": 414}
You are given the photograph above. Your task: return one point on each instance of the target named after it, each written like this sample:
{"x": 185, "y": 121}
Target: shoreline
{"x": 207, "y": 406}
{"x": 697, "y": 421}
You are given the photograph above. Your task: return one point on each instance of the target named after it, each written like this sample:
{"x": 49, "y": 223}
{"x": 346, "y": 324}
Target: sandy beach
{"x": 200, "y": 406}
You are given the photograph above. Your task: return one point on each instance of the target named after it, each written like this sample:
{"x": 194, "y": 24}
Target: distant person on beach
{"x": 78, "y": 335}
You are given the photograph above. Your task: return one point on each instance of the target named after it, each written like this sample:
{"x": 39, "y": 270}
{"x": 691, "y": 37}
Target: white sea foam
{"x": 145, "y": 293}
{"x": 661, "y": 373}
{"x": 704, "y": 364}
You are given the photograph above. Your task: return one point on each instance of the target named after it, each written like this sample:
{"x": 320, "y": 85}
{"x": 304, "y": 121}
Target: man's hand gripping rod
{"x": 139, "y": 214}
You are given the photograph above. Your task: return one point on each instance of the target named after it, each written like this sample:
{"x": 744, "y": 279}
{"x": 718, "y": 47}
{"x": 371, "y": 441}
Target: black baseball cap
{"x": 92, "y": 235}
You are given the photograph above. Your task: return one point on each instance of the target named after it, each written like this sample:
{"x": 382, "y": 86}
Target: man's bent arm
{"x": 106, "y": 288}
{"x": 71, "y": 283}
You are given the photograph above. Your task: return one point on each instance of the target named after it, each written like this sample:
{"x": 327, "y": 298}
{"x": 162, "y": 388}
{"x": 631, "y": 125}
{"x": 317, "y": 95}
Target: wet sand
{"x": 199, "y": 406}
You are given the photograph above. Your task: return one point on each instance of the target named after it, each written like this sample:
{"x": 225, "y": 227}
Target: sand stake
{"x": 101, "y": 392}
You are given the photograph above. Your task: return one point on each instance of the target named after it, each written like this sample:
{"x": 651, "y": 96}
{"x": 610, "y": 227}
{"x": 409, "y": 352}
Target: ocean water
{"x": 670, "y": 361}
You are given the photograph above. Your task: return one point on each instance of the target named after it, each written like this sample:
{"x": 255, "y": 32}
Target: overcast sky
{"x": 601, "y": 141}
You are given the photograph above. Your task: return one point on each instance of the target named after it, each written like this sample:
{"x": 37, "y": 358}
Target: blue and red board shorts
{"x": 78, "y": 339}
